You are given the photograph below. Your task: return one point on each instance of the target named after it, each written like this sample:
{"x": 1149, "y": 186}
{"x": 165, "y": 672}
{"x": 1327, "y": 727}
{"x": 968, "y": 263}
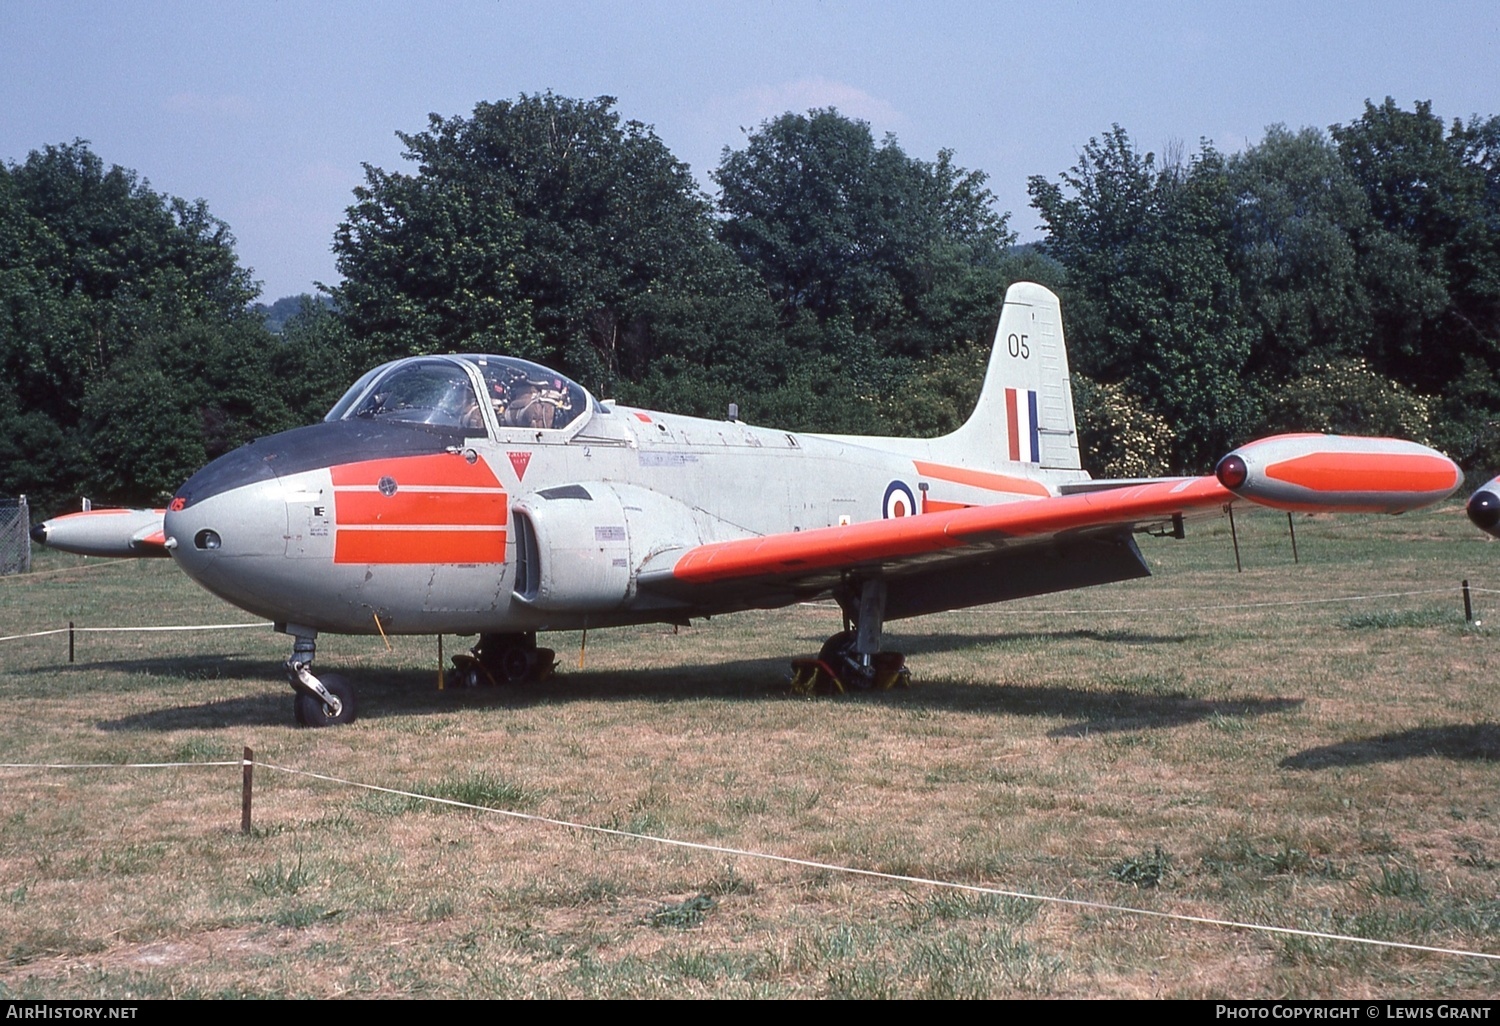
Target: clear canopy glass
{"x": 439, "y": 390}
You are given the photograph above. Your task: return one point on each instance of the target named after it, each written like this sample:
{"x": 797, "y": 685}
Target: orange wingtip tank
{"x": 1342, "y": 473}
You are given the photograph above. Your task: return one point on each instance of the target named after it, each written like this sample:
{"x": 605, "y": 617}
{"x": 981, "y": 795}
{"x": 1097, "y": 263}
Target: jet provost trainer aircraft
{"x": 487, "y": 495}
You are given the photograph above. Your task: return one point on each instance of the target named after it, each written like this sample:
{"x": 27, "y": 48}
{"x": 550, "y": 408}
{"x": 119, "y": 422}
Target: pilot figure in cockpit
{"x": 521, "y": 402}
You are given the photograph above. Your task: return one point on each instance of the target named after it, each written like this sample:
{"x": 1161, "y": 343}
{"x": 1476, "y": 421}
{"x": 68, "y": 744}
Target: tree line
{"x": 1338, "y": 280}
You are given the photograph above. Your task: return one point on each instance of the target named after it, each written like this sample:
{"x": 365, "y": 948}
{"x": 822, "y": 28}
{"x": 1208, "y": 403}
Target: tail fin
{"x": 1025, "y": 409}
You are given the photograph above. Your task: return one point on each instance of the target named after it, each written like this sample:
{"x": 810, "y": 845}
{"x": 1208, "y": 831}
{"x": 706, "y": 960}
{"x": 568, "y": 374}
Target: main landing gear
{"x": 503, "y": 659}
{"x": 321, "y": 701}
{"x": 851, "y": 660}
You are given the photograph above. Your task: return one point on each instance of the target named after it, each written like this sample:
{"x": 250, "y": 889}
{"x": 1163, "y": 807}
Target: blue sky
{"x": 267, "y": 110}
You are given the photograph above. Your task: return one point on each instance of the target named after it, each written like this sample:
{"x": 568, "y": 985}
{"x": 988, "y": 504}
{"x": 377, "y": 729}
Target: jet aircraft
{"x": 483, "y": 494}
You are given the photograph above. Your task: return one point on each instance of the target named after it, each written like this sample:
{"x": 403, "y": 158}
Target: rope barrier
{"x": 114, "y": 765}
{"x": 789, "y": 860}
{"x": 893, "y": 877}
{"x": 1008, "y": 611}
{"x": 184, "y": 627}
{"x": 35, "y": 634}
{"x": 113, "y": 630}
{"x": 28, "y": 575}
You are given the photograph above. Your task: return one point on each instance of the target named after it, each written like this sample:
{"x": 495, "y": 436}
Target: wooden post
{"x": 245, "y": 790}
{"x": 1291, "y": 528}
{"x": 1468, "y": 605}
{"x": 70, "y": 641}
{"x": 440, "y": 663}
{"x": 1238, "y": 568}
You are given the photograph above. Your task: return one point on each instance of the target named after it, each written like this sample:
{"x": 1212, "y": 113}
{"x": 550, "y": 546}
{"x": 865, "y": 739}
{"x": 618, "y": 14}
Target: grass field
{"x": 1205, "y": 742}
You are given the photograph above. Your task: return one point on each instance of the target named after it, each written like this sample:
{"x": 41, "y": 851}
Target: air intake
{"x": 528, "y": 560}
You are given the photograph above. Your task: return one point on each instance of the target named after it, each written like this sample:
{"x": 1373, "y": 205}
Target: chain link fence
{"x": 15, "y": 536}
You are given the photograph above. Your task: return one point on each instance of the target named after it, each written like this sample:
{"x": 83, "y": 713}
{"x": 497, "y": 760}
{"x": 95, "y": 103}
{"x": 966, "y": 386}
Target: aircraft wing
{"x": 945, "y": 560}
{"x": 964, "y": 557}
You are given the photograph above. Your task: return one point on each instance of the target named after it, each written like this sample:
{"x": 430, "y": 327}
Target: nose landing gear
{"x": 321, "y": 701}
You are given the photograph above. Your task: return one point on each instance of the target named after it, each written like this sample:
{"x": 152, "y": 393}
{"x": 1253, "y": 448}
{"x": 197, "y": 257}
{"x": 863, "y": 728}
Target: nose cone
{"x": 233, "y": 543}
{"x": 39, "y": 533}
{"x": 1484, "y": 508}
{"x": 226, "y": 527}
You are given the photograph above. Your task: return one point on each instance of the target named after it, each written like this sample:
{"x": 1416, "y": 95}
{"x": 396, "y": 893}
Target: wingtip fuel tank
{"x": 1484, "y": 507}
{"x": 1326, "y": 473}
{"x": 116, "y": 533}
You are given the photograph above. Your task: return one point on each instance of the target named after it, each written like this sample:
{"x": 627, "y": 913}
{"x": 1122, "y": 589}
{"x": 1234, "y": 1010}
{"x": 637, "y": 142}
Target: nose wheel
{"x": 313, "y": 711}
{"x": 321, "y": 701}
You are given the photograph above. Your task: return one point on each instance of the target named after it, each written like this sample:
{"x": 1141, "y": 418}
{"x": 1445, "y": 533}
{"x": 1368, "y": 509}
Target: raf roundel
{"x": 899, "y": 501}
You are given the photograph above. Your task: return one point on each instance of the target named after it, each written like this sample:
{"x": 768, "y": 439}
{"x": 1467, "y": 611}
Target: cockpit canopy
{"x": 446, "y": 391}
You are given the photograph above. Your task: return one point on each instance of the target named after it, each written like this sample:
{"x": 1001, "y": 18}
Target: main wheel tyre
{"x": 837, "y": 649}
{"x": 516, "y": 663}
{"x": 838, "y": 653}
{"x": 311, "y": 712}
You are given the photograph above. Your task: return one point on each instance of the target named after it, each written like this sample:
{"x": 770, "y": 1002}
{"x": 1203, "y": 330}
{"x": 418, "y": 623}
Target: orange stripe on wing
{"x": 980, "y": 479}
{"x": 875, "y": 541}
{"x": 1365, "y": 472}
{"x": 394, "y": 545}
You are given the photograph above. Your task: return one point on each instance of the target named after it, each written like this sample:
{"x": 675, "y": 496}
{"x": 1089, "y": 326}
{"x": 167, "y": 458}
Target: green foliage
{"x": 1399, "y": 881}
{"x": 318, "y": 359}
{"x": 1143, "y": 871}
{"x": 1118, "y": 436}
{"x": 1433, "y": 244}
{"x": 120, "y": 309}
{"x": 1148, "y": 248}
{"x": 273, "y": 881}
{"x": 683, "y": 915}
{"x": 1344, "y": 281}
{"x": 940, "y": 394}
{"x": 1297, "y": 213}
{"x": 841, "y": 227}
{"x": 544, "y": 227}
{"x": 1326, "y": 282}
{"x": 276, "y": 315}
{"x": 1345, "y": 396}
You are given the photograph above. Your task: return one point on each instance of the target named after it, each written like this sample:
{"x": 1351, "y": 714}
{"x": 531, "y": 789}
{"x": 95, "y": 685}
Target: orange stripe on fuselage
{"x": 939, "y": 506}
{"x": 444, "y": 510}
{"x": 440, "y": 469}
{"x": 413, "y": 506}
{"x": 1365, "y": 472}
{"x": 980, "y": 479}
{"x": 394, "y": 545}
